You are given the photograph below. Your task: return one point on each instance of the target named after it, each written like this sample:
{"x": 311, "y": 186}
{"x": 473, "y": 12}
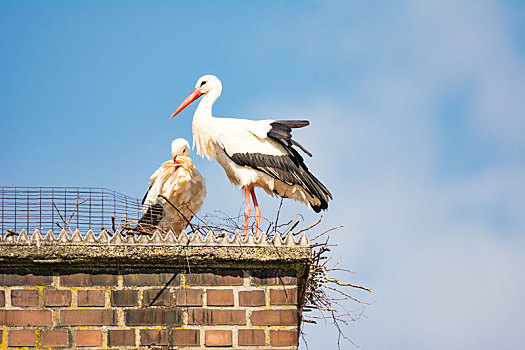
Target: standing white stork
{"x": 178, "y": 181}
{"x": 253, "y": 153}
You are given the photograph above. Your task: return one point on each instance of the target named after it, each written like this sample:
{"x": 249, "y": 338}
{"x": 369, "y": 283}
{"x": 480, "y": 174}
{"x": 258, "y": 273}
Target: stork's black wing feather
{"x": 289, "y": 169}
{"x": 282, "y": 131}
{"x": 153, "y": 215}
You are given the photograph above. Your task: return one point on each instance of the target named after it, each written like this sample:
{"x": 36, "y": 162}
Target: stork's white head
{"x": 208, "y": 85}
{"x": 180, "y": 147}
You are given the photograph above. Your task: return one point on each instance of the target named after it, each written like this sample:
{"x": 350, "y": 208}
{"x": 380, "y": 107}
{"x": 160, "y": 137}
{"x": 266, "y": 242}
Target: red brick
{"x": 26, "y": 318}
{"x": 273, "y": 278}
{"x": 152, "y": 279}
{"x": 216, "y": 317}
{"x": 186, "y": 337}
{"x": 283, "y": 338}
{"x": 55, "y": 297}
{"x": 251, "y": 337}
{"x": 55, "y": 337}
{"x": 91, "y": 297}
{"x": 154, "y": 337}
{"x": 22, "y": 297}
{"x": 216, "y": 278}
{"x": 87, "y": 280}
{"x": 25, "y": 280}
{"x": 88, "y": 338}
{"x": 219, "y": 297}
{"x": 154, "y": 317}
{"x": 156, "y": 297}
{"x": 22, "y": 337}
{"x": 88, "y": 317}
{"x": 121, "y": 337}
{"x": 125, "y": 298}
{"x": 188, "y": 297}
{"x": 252, "y": 298}
{"x": 283, "y": 296}
{"x": 2, "y": 298}
{"x": 274, "y": 318}
{"x": 218, "y": 338}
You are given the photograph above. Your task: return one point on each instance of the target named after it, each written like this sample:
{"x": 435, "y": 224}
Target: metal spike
{"x": 210, "y": 238}
{"x": 277, "y": 242}
{"x": 183, "y": 238}
{"x": 50, "y": 237}
{"x": 77, "y": 237}
{"x": 141, "y": 239}
{"x": 90, "y": 238}
{"x": 36, "y": 238}
{"x": 103, "y": 237}
{"x": 157, "y": 238}
{"x": 289, "y": 241}
{"x": 170, "y": 238}
{"x": 23, "y": 238}
{"x": 63, "y": 237}
{"x": 249, "y": 240}
{"x": 223, "y": 239}
{"x": 117, "y": 238}
{"x": 263, "y": 240}
{"x": 303, "y": 241}
{"x": 11, "y": 239}
{"x": 196, "y": 239}
{"x": 236, "y": 239}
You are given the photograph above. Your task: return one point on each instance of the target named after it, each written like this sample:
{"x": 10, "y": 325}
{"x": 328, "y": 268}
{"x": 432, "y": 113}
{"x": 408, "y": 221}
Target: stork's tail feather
{"x": 317, "y": 190}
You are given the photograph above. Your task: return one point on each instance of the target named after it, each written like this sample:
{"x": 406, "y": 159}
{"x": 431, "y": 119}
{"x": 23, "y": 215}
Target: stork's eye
{"x": 204, "y": 82}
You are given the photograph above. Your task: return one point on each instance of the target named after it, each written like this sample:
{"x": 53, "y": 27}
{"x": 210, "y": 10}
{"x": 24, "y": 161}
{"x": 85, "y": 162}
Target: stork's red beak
{"x": 175, "y": 165}
{"x": 195, "y": 94}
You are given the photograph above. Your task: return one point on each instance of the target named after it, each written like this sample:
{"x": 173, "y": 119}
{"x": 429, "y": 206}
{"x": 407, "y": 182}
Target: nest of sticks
{"x": 329, "y": 296}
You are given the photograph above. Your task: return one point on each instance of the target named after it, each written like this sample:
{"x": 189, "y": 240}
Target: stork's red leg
{"x": 257, "y": 213}
{"x": 247, "y": 210}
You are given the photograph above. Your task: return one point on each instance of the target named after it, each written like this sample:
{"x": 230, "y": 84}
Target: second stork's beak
{"x": 175, "y": 165}
{"x": 195, "y": 94}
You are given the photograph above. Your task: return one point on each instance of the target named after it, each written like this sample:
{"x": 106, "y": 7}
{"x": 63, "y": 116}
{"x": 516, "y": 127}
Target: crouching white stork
{"x": 179, "y": 182}
{"x": 254, "y": 153}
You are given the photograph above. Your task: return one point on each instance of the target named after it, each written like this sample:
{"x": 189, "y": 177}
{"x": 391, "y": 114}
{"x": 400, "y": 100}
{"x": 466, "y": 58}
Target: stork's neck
{"x": 203, "y": 121}
{"x": 204, "y": 109}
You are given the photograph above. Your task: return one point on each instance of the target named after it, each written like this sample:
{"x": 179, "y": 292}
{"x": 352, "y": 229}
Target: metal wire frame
{"x": 52, "y": 208}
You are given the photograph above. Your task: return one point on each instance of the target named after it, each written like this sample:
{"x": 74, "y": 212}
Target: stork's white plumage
{"x": 179, "y": 181}
{"x": 253, "y": 153}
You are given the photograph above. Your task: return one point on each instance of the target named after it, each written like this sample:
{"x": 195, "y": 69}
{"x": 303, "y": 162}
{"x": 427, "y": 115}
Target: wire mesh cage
{"x": 52, "y": 208}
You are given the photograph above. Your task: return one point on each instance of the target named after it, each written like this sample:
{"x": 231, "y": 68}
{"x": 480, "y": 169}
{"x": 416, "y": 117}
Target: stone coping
{"x": 158, "y": 251}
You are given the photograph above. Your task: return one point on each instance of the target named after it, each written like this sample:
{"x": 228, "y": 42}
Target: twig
{"x": 325, "y": 232}
{"x": 309, "y": 227}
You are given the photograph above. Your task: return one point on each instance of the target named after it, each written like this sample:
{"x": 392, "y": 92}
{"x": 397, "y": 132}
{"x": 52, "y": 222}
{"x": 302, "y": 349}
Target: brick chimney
{"x": 97, "y": 291}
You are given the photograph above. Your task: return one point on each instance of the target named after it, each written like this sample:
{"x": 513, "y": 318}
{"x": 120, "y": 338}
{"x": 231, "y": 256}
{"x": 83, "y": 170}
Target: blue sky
{"x": 417, "y": 122}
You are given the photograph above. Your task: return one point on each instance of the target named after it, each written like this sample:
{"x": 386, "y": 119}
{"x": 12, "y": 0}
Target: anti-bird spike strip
{"x": 157, "y": 239}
